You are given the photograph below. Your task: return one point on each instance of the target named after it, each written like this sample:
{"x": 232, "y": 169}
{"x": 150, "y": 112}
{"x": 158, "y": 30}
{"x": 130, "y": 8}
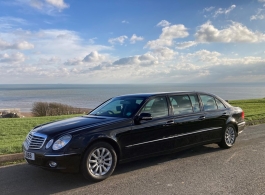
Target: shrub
{"x": 10, "y": 115}
{"x": 55, "y": 109}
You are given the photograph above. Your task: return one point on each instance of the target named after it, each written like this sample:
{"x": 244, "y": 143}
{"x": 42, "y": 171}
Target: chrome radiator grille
{"x": 34, "y": 141}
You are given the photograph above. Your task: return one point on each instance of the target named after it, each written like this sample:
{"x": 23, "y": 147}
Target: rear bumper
{"x": 241, "y": 126}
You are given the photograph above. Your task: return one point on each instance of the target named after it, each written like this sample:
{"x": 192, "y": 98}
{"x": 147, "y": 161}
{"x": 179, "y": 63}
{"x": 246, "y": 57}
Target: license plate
{"x": 29, "y": 155}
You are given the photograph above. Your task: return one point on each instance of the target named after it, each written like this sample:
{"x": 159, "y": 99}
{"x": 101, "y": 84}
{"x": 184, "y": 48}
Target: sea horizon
{"x": 22, "y": 96}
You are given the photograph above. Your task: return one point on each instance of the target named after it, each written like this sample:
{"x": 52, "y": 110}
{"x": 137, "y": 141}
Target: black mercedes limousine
{"x": 130, "y": 127}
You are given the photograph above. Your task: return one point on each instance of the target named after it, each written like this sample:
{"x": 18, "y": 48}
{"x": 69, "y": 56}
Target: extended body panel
{"x": 133, "y": 140}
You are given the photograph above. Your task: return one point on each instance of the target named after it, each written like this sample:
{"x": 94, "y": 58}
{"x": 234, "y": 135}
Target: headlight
{"x": 49, "y": 144}
{"x": 61, "y": 142}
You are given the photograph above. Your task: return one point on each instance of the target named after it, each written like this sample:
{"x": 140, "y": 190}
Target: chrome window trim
{"x": 180, "y": 135}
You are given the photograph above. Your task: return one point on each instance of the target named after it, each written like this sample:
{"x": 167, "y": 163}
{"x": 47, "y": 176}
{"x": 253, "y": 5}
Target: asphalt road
{"x": 202, "y": 170}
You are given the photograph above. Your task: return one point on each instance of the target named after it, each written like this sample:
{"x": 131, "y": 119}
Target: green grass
{"x": 254, "y": 109}
{"x": 13, "y": 131}
{"x": 12, "y": 162}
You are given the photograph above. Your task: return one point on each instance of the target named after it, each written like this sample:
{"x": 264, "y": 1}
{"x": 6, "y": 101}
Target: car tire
{"x": 99, "y": 161}
{"x": 229, "y": 137}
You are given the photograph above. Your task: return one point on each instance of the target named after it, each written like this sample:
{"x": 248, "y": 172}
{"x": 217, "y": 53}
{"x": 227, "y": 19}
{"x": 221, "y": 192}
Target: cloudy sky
{"x": 139, "y": 41}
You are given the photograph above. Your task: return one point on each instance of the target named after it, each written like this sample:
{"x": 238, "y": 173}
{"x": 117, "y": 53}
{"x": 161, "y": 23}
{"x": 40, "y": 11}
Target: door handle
{"x": 224, "y": 114}
{"x": 168, "y": 123}
{"x": 202, "y": 118}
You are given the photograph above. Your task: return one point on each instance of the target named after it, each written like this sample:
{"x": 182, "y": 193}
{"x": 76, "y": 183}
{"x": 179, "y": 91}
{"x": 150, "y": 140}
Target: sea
{"x": 22, "y": 96}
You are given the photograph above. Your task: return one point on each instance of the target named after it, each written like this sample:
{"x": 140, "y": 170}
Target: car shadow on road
{"x": 139, "y": 164}
{"x": 26, "y": 179}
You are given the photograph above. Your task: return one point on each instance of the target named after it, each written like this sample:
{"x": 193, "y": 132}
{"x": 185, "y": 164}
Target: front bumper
{"x": 65, "y": 162}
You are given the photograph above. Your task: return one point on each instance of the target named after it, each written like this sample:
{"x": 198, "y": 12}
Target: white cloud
{"x": 168, "y": 35}
{"x": 94, "y": 56}
{"x": 259, "y": 15}
{"x": 60, "y": 4}
{"x": 50, "y": 7}
{"x": 208, "y": 9}
{"x": 202, "y": 65}
{"x": 92, "y": 59}
{"x": 119, "y": 40}
{"x": 185, "y": 45}
{"x": 7, "y": 23}
{"x": 92, "y": 40}
{"x": 12, "y": 58}
{"x": 156, "y": 57}
{"x": 224, "y": 11}
{"x": 163, "y": 23}
{"x": 125, "y": 22}
{"x": 134, "y": 38}
{"x": 74, "y": 62}
{"x": 174, "y": 32}
{"x": 22, "y": 45}
{"x": 51, "y": 61}
{"x": 51, "y": 48}
{"x": 36, "y": 4}
{"x": 142, "y": 60}
{"x": 236, "y": 32}
{"x": 164, "y": 53}
{"x": 205, "y": 56}
{"x": 159, "y": 43}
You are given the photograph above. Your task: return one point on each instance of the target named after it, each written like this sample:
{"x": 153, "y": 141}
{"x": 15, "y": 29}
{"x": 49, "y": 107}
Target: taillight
{"x": 242, "y": 115}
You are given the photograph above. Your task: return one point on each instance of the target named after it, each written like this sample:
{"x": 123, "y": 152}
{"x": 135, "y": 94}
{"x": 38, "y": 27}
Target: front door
{"x": 152, "y": 136}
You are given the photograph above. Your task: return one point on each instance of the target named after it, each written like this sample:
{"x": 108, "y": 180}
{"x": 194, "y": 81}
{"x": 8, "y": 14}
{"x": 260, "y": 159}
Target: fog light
{"x": 52, "y": 164}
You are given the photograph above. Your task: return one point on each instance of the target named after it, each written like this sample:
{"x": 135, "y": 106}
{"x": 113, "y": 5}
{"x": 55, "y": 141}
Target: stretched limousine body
{"x": 130, "y": 127}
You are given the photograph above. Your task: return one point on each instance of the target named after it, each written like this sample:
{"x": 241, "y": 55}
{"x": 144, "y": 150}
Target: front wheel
{"x": 229, "y": 137}
{"x": 99, "y": 161}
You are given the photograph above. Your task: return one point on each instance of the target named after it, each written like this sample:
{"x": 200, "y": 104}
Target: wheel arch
{"x": 110, "y": 141}
{"x": 232, "y": 121}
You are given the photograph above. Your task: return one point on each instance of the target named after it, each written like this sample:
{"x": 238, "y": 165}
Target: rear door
{"x": 188, "y": 119}
{"x": 215, "y": 116}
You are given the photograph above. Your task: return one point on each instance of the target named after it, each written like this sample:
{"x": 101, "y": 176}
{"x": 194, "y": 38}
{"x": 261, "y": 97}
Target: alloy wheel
{"x": 99, "y": 161}
{"x": 230, "y": 136}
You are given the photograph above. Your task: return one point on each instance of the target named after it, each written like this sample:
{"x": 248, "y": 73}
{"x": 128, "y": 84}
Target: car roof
{"x": 163, "y": 93}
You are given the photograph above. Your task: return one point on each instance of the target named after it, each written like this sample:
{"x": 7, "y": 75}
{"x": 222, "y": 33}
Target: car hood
{"x": 61, "y": 126}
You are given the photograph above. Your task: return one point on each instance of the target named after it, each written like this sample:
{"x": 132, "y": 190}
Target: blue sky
{"x": 170, "y": 41}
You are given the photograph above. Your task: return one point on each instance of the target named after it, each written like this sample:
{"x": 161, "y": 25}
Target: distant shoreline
{"x": 91, "y": 95}
{"x": 28, "y": 114}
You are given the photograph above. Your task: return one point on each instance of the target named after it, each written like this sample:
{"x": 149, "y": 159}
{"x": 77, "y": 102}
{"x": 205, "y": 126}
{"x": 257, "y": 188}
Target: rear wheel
{"x": 99, "y": 161}
{"x": 229, "y": 137}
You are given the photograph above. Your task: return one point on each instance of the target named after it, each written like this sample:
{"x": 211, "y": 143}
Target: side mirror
{"x": 145, "y": 116}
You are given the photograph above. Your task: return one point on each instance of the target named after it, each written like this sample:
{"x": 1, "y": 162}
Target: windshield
{"x": 124, "y": 107}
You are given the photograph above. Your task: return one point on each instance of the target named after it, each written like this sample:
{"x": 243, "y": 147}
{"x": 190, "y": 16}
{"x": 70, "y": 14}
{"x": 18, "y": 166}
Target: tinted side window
{"x": 119, "y": 107}
{"x": 195, "y": 103}
{"x": 157, "y": 107}
{"x": 208, "y": 102}
{"x": 181, "y": 104}
{"x": 220, "y": 104}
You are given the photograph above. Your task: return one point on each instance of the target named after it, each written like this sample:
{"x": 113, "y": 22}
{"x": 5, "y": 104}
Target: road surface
{"x": 201, "y": 170}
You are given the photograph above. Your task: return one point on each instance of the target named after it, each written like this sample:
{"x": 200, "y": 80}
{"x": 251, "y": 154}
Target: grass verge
{"x": 13, "y": 131}
{"x": 12, "y": 162}
{"x": 254, "y": 110}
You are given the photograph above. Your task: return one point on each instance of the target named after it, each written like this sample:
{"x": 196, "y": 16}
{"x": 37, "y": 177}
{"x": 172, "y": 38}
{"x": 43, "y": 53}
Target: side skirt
{"x": 169, "y": 151}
